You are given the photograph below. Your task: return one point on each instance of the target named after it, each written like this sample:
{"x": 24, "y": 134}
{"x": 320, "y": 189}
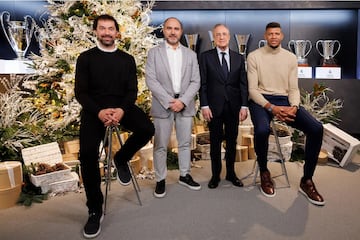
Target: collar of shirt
{"x": 219, "y": 51}
{"x": 106, "y": 50}
{"x": 168, "y": 46}
{"x": 227, "y": 56}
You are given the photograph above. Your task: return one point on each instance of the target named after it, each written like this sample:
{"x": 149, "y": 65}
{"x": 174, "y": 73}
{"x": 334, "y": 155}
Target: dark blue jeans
{"x": 304, "y": 121}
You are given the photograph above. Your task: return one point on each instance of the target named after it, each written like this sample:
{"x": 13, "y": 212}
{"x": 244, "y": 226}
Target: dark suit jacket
{"x": 215, "y": 88}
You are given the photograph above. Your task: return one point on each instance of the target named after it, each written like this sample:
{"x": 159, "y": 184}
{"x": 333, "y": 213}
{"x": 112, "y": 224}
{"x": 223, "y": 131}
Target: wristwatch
{"x": 270, "y": 108}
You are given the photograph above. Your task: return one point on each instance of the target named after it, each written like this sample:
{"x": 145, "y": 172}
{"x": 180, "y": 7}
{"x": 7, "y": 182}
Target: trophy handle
{"x": 30, "y": 27}
{"x": 317, "y": 47}
{"x": 290, "y": 43}
{"x": 5, "y": 15}
{"x": 338, "y": 49}
{"x": 261, "y": 43}
{"x": 211, "y": 39}
{"x": 308, "y": 42}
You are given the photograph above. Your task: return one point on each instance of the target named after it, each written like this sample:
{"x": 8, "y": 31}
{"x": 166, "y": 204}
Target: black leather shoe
{"x": 235, "y": 181}
{"x": 214, "y": 182}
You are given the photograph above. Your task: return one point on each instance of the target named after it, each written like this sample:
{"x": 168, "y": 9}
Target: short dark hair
{"x": 273, "y": 25}
{"x": 105, "y": 17}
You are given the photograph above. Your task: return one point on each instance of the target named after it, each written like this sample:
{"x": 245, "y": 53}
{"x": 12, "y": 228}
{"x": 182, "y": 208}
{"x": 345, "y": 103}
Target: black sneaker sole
{"x": 159, "y": 195}
{"x": 196, "y": 188}
{"x": 95, "y": 234}
{"x": 121, "y": 182}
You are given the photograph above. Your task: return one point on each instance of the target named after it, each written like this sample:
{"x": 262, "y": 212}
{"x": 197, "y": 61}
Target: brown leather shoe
{"x": 267, "y": 185}
{"x": 309, "y": 190}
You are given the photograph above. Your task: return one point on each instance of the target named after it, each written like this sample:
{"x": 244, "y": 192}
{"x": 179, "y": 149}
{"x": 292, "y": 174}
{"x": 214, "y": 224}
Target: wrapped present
{"x": 10, "y": 174}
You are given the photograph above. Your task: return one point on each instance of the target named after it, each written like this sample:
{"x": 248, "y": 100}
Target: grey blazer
{"x": 158, "y": 80}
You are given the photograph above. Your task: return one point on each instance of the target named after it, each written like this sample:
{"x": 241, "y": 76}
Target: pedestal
{"x": 304, "y": 72}
{"x": 16, "y": 67}
{"x": 328, "y": 72}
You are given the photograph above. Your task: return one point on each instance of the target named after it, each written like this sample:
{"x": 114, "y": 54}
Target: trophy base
{"x": 302, "y": 62}
{"x": 331, "y": 62}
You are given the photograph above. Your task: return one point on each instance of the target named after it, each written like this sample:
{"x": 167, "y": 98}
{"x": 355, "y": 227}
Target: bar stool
{"x": 108, "y": 162}
{"x": 281, "y": 159}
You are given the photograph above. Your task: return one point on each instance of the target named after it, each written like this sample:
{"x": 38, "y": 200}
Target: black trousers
{"x": 224, "y": 127}
{"x": 304, "y": 121}
{"x": 92, "y": 132}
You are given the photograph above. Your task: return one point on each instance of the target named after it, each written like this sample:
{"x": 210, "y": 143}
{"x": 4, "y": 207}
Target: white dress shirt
{"x": 175, "y": 62}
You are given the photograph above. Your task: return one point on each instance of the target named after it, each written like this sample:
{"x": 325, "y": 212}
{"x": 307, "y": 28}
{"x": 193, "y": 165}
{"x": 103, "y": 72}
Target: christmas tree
{"x": 44, "y": 109}
{"x": 64, "y": 35}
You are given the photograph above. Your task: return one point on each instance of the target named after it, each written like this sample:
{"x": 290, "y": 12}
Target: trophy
{"x": 212, "y": 39}
{"x": 18, "y": 33}
{"x": 328, "y": 51}
{"x": 242, "y": 41}
{"x": 262, "y": 43}
{"x": 299, "y": 48}
{"x": 191, "y": 40}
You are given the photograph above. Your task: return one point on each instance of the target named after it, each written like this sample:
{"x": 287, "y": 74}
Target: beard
{"x": 107, "y": 42}
{"x": 172, "y": 40}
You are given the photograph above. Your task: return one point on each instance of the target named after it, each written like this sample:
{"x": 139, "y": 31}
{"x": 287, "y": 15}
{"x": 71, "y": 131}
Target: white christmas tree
{"x": 64, "y": 35}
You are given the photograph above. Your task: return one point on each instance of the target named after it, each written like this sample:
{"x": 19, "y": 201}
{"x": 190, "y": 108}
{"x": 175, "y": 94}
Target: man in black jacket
{"x": 223, "y": 100}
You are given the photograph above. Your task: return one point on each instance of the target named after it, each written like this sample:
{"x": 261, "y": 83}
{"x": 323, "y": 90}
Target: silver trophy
{"x": 262, "y": 43}
{"x": 212, "y": 39}
{"x": 301, "y": 48}
{"x": 328, "y": 52}
{"x": 18, "y": 33}
{"x": 191, "y": 40}
{"x": 242, "y": 41}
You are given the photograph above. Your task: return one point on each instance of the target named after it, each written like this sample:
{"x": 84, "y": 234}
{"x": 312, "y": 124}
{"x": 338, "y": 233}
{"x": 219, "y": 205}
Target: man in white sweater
{"x": 274, "y": 92}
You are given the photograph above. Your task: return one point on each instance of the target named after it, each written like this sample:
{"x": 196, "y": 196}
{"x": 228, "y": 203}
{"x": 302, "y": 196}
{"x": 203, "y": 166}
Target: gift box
{"x": 46, "y": 153}
{"x": 72, "y": 146}
{"x": 9, "y": 196}
{"x": 340, "y": 146}
{"x": 10, "y": 174}
{"x": 135, "y": 164}
{"x": 286, "y": 150}
{"x": 71, "y": 183}
{"x": 242, "y": 153}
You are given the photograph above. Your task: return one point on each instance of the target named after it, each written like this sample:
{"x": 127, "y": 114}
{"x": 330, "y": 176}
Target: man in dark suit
{"x": 223, "y": 100}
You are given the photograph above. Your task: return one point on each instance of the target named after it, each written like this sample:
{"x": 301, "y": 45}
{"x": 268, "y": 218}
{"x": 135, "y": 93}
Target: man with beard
{"x": 106, "y": 88}
{"x": 172, "y": 75}
{"x": 274, "y": 92}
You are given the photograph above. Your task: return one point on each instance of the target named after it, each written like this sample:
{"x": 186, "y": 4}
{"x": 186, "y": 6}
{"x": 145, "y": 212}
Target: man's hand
{"x": 111, "y": 116}
{"x": 207, "y": 114}
{"x": 176, "y": 105}
{"x": 243, "y": 114}
{"x": 284, "y": 113}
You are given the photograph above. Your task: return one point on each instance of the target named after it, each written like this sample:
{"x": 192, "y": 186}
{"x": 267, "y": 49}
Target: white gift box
{"x": 286, "y": 150}
{"x": 66, "y": 185}
{"x": 46, "y": 153}
{"x": 339, "y": 145}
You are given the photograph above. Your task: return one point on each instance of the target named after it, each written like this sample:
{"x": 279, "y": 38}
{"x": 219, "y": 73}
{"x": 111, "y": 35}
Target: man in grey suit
{"x": 172, "y": 75}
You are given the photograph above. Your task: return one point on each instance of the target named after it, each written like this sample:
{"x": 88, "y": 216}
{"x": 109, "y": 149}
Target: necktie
{"x": 224, "y": 65}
